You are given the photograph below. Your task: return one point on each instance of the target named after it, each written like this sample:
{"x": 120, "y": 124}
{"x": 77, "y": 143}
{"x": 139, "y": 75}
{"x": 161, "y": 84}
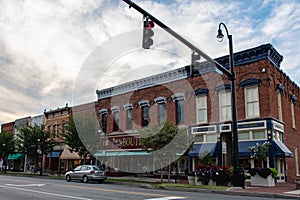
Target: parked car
{"x": 86, "y": 173}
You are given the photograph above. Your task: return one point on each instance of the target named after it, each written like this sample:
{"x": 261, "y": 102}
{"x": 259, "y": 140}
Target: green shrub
{"x": 274, "y": 172}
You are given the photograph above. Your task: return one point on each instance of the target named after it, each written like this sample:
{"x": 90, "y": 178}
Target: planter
{"x": 191, "y": 180}
{"x": 257, "y": 180}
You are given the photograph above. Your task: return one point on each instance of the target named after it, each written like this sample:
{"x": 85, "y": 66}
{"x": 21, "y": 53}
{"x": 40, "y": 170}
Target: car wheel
{"x": 85, "y": 179}
{"x": 102, "y": 181}
{"x": 68, "y": 178}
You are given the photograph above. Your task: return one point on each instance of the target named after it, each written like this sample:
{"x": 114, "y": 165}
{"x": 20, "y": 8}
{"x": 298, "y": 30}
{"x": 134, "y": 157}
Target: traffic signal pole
{"x": 179, "y": 37}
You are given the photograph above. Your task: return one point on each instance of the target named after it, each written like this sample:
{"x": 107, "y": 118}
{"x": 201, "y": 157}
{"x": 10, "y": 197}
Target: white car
{"x": 86, "y": 173}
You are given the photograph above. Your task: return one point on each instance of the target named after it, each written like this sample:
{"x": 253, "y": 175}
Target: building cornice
{"x": 263, "y": 52}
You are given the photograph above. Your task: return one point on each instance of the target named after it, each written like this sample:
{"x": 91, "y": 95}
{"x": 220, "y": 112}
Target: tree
{"x": 7, "y": 146}
{"x": 165, "y": 143}
{"x": 35, "y": 141}
{"x": 84, "y": 135}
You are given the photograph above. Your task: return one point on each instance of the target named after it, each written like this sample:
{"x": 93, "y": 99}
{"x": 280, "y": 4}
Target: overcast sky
{"x": 45, "y": 43}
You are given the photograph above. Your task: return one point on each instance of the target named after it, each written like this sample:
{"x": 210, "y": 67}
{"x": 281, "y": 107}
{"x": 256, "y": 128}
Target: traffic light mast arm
{"x": 177, "y": 36}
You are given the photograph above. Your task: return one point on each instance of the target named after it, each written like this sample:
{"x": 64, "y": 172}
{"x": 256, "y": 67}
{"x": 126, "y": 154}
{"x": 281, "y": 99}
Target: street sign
{"x": 224, "y": 149}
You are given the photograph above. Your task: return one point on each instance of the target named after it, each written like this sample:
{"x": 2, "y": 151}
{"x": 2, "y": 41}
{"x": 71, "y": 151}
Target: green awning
{"x": 121, "y": 153}
{"x": 15, "y": 156}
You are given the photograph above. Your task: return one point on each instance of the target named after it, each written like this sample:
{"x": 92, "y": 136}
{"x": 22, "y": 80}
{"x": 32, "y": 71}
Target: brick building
{"x": 267, "y": 111}
{"x": 56, "y": 122}
{"x": 8, "y": 127}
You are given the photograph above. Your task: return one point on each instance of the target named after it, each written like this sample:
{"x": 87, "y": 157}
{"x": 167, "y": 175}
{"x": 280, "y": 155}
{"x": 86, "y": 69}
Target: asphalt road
{"x": 23, "y": 188}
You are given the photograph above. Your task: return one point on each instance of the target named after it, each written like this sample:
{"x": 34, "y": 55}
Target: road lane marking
{"x": 47, "y": 193}
{"x": 167, "y": 198}
{"x": 27, "y": 185}
{"x": 110, "y": 190}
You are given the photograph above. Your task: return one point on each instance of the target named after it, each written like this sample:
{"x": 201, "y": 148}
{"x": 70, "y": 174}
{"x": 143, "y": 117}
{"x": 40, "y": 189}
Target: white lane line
{"x": 47, "y": 193}
{"x": 167, "y": 198}
{"x": 27, "y": 185}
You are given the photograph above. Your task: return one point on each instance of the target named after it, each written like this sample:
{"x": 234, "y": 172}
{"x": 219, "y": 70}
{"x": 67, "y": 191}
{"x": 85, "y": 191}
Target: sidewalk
{"x": 280, "y": 190}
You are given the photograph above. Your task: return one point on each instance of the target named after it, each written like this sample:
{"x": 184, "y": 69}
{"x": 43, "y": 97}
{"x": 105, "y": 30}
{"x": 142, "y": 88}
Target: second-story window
{"x": 293, "y": 100}
{"x": 145, "y": 116}
{"x": 161, "y": 106}
{"x": 103, "y": 115}
{"x": 128, "y": 108}
{"x": 144, "y": 104}
{"x": 116, "y": 116}
{"x": 280, "y": 90}
{"x": 201, "y": 109}
{"x": 225, "y": 105}
{"x": 252, "y": 101}
{"x": 179, "y": 107}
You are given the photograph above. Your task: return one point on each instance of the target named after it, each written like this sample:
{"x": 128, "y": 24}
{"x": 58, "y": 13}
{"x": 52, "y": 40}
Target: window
{"x": 178, "y": 98}
{"x": 128, "y": 108}
{"x": 65, "y": 129}
{"x": 293, "y": 100}
{"x": 116, "y": 116}
{"x": 104, "y": 122}
{"x": 161, "y": 112}
{"x": 199, "y": 138}
{"x": 116, "y": 120}
{"x": 58, "y": 130}
{"x": 279, "y": 106}
{"x": 179, "y": 106}
{"x": 161, "y": 106}
{"x": 129, "y": 119}
{"x": 211, "y": 137}
{"x": 278, "y": 135}
{"x": 244, "y": 136}
{"x": 251, "y": 101}
{"x": 145, "y": 115}
{"x": 55, "y": 131}
{"x": 206, "y": 137}
{"x": 144, "y": 104}
{"x": 103, "y": 114}
{"x": 225, "y": 105}
{"x": 258, "y": 135}
{"x": 201, "y": 109}
{"x": 293, "y": 115}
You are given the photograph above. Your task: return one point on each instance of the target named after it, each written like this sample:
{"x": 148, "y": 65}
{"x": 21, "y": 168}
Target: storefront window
{"x": 199, "y": 138}
{"x": 259, "y": 135}
{"x": 211, "y": 137}
{"x": 244, "y": 136}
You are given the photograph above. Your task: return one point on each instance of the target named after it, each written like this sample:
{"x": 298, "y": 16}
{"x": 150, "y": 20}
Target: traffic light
{"x": 195, "y": 64}
{"x": 147, "y": 33}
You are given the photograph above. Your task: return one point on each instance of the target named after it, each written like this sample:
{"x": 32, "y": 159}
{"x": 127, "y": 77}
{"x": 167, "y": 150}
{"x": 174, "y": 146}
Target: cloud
{"x": 44, "y": 44}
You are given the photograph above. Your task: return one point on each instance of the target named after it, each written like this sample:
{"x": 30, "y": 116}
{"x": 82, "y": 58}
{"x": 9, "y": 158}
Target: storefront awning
{"x": 16, "y": 156}
{"x": 67, "y": 155}
{"x": 244, "y": 147}
{"x": 55, "y": 154}
{"x": 200, "y": 150}
{"x": 281, "y": 150}
{"x": 121, "y": 153}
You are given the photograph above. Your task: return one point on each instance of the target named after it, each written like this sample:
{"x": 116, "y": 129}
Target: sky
{"x": 46, "y": 45}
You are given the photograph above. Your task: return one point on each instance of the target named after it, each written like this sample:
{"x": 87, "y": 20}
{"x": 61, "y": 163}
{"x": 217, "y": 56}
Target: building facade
{"x": 56, "y": 123}
{"x": 267, "y": 111}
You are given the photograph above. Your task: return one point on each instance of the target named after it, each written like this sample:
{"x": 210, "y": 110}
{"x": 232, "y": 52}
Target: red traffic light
{"x": 150, "y": 24}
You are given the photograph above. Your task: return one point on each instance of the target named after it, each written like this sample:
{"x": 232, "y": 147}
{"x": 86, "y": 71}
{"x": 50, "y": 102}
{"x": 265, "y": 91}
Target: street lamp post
{"x": 4, "y": 159}
{"x": 235, "y": 160}
{"x": 40, "y": 156}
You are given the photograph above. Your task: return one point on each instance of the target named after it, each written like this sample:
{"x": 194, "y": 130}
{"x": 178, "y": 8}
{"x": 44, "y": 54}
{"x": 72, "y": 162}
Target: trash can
{"x": 238, "y": 178}
{"x": 221, "y": 179}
